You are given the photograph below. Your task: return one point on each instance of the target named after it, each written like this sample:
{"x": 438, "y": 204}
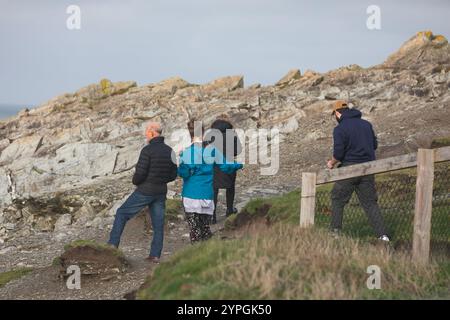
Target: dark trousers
{"x": 230, "y": 201}
{"x": 199, "y": 225}
{"x": 367, "y": 195}
{"x": 132, "y": 206}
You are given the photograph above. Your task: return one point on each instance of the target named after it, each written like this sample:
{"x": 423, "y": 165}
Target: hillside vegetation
{"x": 286, "y": 262}
{"x": 270, "y": 257}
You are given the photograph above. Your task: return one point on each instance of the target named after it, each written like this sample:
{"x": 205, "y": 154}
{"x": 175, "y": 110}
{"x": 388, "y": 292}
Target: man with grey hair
{"x": 154, "y": 170}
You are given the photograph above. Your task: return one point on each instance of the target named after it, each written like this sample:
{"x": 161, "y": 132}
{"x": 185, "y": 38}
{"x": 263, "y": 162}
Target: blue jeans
{"x": 132, "y": 206}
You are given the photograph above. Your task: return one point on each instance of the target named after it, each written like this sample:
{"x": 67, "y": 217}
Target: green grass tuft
{"x": 94, "y": 245}
{"x": 174, "y": 208}
{"x": 8, "y": 276}
{"x": 440, "y": 142}
{"x": 56, "y": 262}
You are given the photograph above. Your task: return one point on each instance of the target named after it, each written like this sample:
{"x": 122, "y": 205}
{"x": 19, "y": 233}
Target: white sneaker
{"x": 335, "y": 233}
{"x": 384, "y": 238}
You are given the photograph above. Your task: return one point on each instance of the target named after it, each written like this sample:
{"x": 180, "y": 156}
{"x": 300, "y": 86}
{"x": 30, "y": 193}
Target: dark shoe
{"x": 151, "y": 259}
{"x": 232, "y": 212}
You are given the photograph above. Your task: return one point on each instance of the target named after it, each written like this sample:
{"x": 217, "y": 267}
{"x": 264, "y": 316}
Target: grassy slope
{"x": 396, "y": 200}
{"x": 8, "y": 276}
{"x": 285, "y": 262}
{"x": 95, "y": 245}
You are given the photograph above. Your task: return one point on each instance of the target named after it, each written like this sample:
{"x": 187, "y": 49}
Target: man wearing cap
{"x": 154, "y": 170}
{"x": 354, "y": 142}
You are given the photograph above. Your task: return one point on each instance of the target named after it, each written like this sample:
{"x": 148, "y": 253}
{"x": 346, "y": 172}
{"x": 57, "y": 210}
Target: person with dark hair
{"x": 224, "y": 180}
{"x": 354, "y": 142}
{"x": 197, "y": 163}
{"x": 154, "y": 170}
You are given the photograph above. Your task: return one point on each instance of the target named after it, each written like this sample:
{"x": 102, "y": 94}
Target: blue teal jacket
{"x": 196, "y": 167}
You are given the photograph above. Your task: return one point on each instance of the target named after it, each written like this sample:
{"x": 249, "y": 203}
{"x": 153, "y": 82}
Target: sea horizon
{"x": 11, "y": 109}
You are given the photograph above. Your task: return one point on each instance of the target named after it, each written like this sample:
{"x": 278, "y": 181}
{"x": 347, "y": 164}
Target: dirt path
{"x": 43, "y": 282}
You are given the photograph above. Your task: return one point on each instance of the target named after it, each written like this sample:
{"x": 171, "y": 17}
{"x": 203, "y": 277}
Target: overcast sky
{"x": 199, "y": 40}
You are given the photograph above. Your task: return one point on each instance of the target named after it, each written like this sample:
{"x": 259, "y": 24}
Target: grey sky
{"x": 199, "y": 40}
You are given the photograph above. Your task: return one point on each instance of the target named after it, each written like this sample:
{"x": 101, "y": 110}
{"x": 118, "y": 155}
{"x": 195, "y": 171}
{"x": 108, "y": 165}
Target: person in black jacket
{"x": 154, "y": 170}
{"x": 224, "y": 180}
{"x": 354, "y": 141}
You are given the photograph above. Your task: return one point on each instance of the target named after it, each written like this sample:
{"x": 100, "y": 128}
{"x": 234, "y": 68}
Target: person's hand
{"x": 330, "y": 164}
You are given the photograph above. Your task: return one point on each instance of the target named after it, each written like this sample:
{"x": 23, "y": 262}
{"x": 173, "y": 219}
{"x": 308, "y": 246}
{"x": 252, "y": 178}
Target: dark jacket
{"x": 223, "y": 180}
{"x": 155, "y": 168}
{"x": 354, "y": 139}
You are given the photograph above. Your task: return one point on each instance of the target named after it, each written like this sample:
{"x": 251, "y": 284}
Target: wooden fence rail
{"x": 424, "y": 160}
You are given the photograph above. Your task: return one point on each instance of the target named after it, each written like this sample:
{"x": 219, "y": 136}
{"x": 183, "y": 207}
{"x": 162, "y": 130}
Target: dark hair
{"x": 221, "y": 125}
{"x": 191, "y": 127}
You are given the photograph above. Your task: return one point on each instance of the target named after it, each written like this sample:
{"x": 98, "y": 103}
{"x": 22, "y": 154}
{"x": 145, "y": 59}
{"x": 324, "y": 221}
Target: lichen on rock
{"x": 421, "y": 47}
{"x": 122, "y": 87}
{"x": 106, "y": 86}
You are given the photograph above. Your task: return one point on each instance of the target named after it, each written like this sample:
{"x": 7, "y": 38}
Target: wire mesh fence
{"x": 396, "y": 199}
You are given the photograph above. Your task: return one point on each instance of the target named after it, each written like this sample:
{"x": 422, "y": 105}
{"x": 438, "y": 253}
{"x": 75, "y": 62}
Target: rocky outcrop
{"x": 197, "y": 93}
{"x": 424, "y": 47}
{"x": 170, "y": 86}
{"x": 225, "y": 84}
{"x": 104, "y": 89}
{"x": 291, "y": 76}
{"x": 21, "y": 148}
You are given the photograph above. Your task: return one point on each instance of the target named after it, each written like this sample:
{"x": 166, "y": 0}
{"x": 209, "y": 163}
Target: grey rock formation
{"x": 291, "y": 76}
{"x": 85, "y": 144}
{"x": 63, "y": 222}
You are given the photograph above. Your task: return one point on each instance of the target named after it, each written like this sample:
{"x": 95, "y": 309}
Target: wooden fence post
{"x": 423, "y": 205}
{"x": 308, "y": 199}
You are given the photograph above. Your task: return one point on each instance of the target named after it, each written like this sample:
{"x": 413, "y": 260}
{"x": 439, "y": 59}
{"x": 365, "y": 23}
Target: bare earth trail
{"x": 43, "y": 281}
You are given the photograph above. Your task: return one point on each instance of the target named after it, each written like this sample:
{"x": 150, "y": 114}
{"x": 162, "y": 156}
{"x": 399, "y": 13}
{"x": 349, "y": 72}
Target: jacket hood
{"x": 221, "y": 125}
{"x": 157, "y": 139}
{"x": 351, "y": 113}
